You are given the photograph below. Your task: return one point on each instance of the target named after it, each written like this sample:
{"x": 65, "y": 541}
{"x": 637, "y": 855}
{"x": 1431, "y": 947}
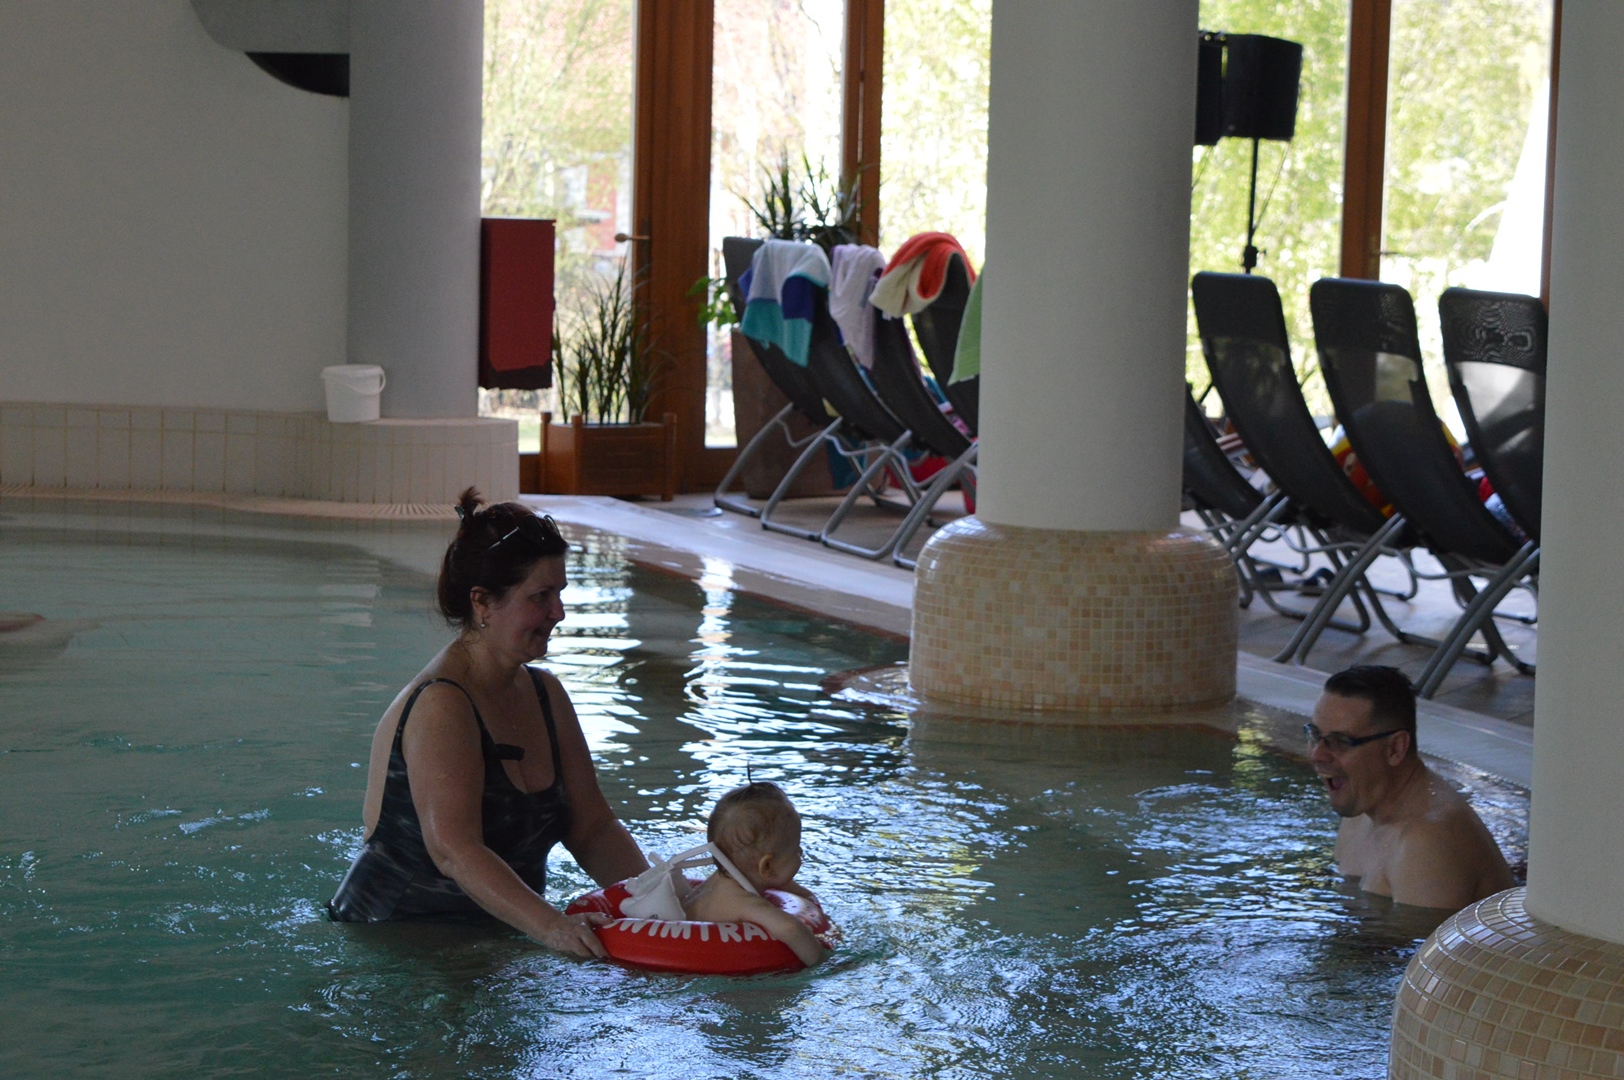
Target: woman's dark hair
{"x": 494, "y": 549}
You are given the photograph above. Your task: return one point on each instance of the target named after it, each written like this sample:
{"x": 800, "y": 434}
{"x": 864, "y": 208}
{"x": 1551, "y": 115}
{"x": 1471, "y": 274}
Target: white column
{"x": 1072, "y": 591}
{"x": 1576, "y": 842}
{"x": 415, "y": 92}
{"x": 1091, "y": 122}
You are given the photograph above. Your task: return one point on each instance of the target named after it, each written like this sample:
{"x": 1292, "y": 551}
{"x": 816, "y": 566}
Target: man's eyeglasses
{"x": 539, "y": 529}
{"x": 1338, "y": 742}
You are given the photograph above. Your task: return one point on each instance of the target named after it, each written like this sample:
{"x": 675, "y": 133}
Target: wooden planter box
{"x": 609, "y": 459}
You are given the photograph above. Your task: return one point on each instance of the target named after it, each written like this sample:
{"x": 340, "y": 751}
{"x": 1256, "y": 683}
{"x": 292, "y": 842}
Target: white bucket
{"x": 352, "y": 392}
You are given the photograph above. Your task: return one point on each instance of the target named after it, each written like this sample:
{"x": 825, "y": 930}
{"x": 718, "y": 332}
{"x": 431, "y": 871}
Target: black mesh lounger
{"x": 1494, "y": 349}
{"x": 862, "y": 429}
{"x": 1243, "y": 335}
{"x": 1371, "y": 356}
{"x": 1235, "y": 513}
{"x": 870, "y": 437}
{"x": 937, "y": 328}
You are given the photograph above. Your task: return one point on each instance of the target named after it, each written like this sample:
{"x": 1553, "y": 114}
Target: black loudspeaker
{"x": 1209, "y": 90}
{"x": 1260, "y": 87}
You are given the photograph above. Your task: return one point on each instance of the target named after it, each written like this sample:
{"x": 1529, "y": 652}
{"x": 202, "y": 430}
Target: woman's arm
{"x": 597, "y": 839}
{"x": 442, "y": 750}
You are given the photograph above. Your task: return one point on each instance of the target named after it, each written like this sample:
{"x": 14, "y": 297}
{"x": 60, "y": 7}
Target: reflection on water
{"x": 183, "y": 791}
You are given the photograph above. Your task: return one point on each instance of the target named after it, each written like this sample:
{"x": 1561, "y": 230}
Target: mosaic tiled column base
{"x": 1495, "y": 993}
{"x": 1059, "y": 621}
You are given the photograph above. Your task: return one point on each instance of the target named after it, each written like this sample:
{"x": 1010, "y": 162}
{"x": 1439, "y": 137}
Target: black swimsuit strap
{"x": 400, "y": 725}
{"x": 546, "y": 700}
{"x": 494, "y": 749}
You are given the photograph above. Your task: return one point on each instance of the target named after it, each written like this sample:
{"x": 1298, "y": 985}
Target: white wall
{"x": 172, "y": 219}
{"x": 1575, "y": 839}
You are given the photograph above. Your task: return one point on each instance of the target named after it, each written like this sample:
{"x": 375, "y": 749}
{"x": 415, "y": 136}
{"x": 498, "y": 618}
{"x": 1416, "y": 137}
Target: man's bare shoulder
{"x": 1445, "y": 857}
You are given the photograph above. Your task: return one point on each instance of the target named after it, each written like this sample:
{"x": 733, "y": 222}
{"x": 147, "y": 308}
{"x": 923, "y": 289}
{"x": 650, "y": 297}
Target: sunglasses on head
{"x": 538, "y": 529}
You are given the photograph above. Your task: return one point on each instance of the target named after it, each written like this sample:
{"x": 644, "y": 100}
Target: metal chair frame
{"x": 880, "y": 438}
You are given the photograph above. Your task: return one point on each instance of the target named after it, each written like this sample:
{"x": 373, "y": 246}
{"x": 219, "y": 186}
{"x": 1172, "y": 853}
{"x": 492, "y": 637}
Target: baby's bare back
{"x": 718, "y": 899}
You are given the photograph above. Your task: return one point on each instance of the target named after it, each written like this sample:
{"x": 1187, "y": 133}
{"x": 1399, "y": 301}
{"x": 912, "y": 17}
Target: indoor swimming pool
{"x": 182, "y": 749}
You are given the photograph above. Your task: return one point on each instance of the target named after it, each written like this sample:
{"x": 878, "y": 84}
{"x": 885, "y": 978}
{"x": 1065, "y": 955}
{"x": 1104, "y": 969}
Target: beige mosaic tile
{"x": 1495, "y": 994}
{"x": 297, "y": 455}
{"x": 1073, "y": 622}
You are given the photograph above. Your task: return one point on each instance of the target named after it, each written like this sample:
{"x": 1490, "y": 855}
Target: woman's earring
{"x": 483, "y": 624}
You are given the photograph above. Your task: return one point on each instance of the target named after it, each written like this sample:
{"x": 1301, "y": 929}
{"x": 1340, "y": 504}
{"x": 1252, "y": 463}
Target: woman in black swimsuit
{"x": 479, "y": 766}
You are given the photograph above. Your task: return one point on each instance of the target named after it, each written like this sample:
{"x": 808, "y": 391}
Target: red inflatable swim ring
{"x": 697, "y": 948}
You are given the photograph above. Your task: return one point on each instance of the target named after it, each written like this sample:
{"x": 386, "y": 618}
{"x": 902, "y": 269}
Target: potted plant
{"x": 606, "y": 369}
{"x": 809, "y": 207}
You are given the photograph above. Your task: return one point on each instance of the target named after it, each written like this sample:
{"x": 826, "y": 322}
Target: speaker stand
{"x": 1249, "y": 255}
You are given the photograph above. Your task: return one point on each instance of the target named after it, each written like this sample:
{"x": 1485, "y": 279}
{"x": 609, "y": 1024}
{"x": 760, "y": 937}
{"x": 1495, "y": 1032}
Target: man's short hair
{"x": 1391, "y": 697}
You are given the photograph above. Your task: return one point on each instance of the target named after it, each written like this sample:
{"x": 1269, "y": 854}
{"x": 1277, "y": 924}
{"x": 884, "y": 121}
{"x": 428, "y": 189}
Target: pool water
{"x": 182, "y": 772}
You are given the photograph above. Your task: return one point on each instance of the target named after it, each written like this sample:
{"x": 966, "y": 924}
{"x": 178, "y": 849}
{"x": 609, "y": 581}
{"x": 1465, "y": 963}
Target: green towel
{"x": 967, "y": 357}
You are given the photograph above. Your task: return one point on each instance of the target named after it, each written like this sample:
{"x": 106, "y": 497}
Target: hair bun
{"x": 468, "y": 504}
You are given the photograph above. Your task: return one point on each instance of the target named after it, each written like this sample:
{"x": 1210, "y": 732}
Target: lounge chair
{"x": 864, "y": 431}
{"x": 1494, "y": 350}
{"x": 1370, "y": 353}
{"x": 1235, "y": 513}
{"x": 1243, "y": 335}
{"x": 937, "y": 328}
{"x": 793, "y": 380}
{"x": 897, "y": 379}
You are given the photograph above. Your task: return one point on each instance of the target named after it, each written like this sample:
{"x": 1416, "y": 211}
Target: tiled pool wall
{"x": 241, "y": 452}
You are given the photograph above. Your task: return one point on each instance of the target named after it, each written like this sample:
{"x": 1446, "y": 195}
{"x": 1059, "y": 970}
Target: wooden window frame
{"x": 863, "y": 72}
{"x": 1364, "y": 156}
{"x": 671, "y": 192}
{"x": 671, "y": 141}
{"x": 671, "y": 197}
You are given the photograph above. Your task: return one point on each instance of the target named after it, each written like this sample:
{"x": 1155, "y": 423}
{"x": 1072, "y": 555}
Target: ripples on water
{"x": 183, "y": 778}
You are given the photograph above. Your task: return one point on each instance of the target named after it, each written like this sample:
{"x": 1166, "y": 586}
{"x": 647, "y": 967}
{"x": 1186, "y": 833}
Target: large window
{"x": 775, "y": 100}
{"x": 1464, "y": 198}
{"x": 1299, "y": 183}
{"x": 933, "y": 135}
{"x": 557, "y": 143}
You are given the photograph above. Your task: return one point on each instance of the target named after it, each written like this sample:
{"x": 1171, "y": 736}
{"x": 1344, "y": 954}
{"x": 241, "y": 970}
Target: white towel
{"x": 657, "y": 892}
{"x": 856, "y": 268}
{"x": 776, "y": 261}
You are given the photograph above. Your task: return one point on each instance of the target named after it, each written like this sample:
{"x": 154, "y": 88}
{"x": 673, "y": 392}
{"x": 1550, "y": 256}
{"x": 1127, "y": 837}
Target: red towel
{"x": 914, "y": 288}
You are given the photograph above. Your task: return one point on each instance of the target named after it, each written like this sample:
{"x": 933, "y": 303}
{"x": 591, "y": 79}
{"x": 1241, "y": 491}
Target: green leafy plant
{"x": 605, "y": 365}
{"x": 810, "y": 205}
{"x": 715, "y": 307}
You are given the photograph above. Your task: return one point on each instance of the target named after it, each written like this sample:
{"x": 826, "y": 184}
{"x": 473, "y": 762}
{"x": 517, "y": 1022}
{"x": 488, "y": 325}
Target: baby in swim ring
{"x": 758, "y": 829}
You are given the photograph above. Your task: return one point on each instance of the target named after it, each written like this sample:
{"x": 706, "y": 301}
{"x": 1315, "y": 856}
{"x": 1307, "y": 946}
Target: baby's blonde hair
{"x": 751, "y": 819}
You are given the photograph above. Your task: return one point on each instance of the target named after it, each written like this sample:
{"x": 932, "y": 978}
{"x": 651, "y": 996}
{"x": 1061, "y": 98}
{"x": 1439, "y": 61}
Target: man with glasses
{"x": 1406, "y": 833}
